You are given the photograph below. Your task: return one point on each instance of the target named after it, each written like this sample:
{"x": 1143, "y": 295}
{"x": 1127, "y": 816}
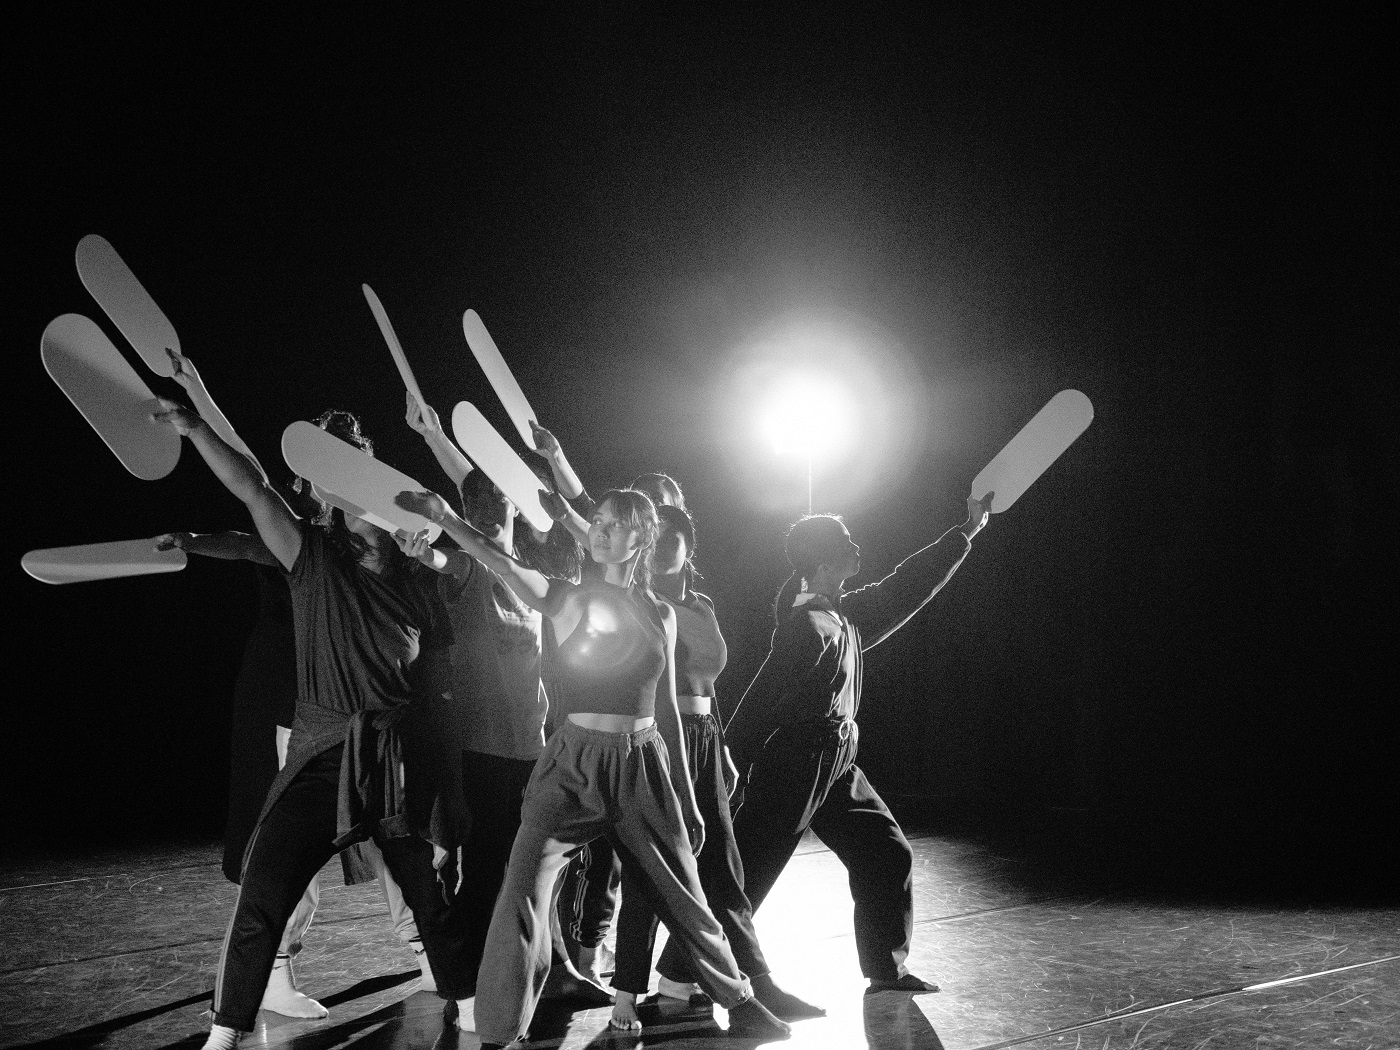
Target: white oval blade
{"x": 110, "y": 395}
{"x": 123, "y": 298}
{"x": 101, "y": 561}
{"x": 351, "y": 479}
{"x": 395, "y": 347}
{"x": 1039, "y": 443}
{"x": 499, "y": 373}
{"x": 489, "y": 451}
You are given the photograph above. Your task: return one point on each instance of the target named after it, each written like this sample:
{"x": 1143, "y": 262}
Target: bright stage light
{"x": 807, "y": 414}
{"x": 820, "y": 407}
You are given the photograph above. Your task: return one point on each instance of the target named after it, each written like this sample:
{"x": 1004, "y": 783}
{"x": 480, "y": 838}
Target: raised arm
{"x": 570, "y": 487}
{"x": 277, "y": 526}
{"x": 563, "y": 512}
{"x": 532, "y": 587}
{"x": 417, "y": 547}
{"x": 228, "y": 546}
{"x": 426, "y": 423}
{"x": 188, "y": 377}
{"x": 879, "y": 609}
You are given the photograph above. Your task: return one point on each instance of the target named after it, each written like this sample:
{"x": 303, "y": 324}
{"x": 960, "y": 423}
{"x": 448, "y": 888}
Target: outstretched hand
{"x": 979, "y": 512}
{"x": 185, "y": 372}
{"x": 427, "y": 504}
{"x": 554, "y": 504}
{"x": 183, "y": 419}
{"x": 415, "y": 544}
{"x": 173, "y": 541}
{"x": 544, "y": 441}
{"x": 421, "y": 418}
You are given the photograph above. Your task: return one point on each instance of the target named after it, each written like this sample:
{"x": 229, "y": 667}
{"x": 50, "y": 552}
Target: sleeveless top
{"x": 615, "y": 657}
{"x": 700, "y": 650}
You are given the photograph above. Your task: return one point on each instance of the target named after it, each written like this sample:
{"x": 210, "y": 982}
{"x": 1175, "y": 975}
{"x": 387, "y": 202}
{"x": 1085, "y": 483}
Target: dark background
{"x": 1168, "y": 654}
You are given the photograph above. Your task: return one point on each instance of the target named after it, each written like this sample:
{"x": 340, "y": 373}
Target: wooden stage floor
{"x": 119, "y": 951}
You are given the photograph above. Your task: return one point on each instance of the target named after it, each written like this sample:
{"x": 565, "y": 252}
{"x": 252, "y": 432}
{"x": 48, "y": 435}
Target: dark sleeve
{"x": 436, "y": 632}
{"x": 779, "y": 693}
{"x": 584, "y": 504}
{"x": 879, "y": 609}
{"x": 452, "y": 585}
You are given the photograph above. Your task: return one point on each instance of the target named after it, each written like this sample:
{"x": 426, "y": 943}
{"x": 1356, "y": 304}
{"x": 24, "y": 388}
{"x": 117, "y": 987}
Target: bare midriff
{"x": 694, "y": 705}
{"x": 611, "y": 723}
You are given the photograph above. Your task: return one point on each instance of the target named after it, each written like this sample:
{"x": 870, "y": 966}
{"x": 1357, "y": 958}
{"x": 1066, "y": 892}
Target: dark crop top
{"x": 612, "y": 661}
{"x": 700, "y": 650}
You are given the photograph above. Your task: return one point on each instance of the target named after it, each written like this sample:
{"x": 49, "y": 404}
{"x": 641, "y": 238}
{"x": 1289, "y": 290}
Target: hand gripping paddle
{"x": 110, "y": 395}
{"x": 1039, "y": 443}
{"x": 101, "y": 561}
{"x": 502, "y": 379}
{"x": 489, "y": 451}
{"x": 110, "y": 281}
{"x": 395, "y": 348}
{"x": 353, "y": 480}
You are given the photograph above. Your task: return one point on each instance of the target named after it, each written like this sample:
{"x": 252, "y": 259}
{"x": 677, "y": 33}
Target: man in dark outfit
{"x": 795, "y": 734}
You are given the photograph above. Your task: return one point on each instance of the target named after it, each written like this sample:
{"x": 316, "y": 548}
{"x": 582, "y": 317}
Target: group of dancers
{"x": 504, "y": 728}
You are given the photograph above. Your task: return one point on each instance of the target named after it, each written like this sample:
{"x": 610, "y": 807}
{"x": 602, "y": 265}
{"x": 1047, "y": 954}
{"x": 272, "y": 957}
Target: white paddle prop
{"x": 101, "y": 561}
{"x": 502, "y": 379}
{"x": 123, "y": 298}
{"x": 352, "y": 480}
{"x": 395, "y": 347}
{"x": 110, "y": 395}
{"x": 489, "y": 451}
{"x": 1039, "y": 443}
{"x": 350, "y": 508}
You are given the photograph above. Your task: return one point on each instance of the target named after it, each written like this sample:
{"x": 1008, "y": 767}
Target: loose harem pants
{"x": 588, "y": 784}
{"x": 721, "y": 876}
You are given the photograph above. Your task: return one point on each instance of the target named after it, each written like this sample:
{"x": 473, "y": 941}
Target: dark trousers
{"x": 588, "y": 896}
{"x": 800, "y": 782}
{"x": 291, "y": 844}
{"x": 492, "y": 788}
{"x": 721, "y": 877}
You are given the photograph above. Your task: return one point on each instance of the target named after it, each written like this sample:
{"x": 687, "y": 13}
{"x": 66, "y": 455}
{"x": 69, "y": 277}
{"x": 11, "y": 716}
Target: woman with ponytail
{"x": 794, "y": 733}
{"x": 615, "y": 767}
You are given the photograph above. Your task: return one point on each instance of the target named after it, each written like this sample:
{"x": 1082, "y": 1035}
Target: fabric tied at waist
{"x": 372, "y": 796}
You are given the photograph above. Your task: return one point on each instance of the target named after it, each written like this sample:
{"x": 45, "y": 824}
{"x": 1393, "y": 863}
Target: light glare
{"x": 808, "y": 414}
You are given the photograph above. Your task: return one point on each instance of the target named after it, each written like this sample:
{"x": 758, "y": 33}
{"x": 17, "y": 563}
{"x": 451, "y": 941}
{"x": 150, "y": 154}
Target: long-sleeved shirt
{"x": 813, "y": 670}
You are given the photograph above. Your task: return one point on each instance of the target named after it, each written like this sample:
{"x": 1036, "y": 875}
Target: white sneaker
{"x": 281, "y": 995}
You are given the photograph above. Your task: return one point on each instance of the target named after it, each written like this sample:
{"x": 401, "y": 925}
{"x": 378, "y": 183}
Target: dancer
{"x": 794, "y": 734}
{"x": 588, "y": 889}
{"x": 264, "y": 706}
{"x": 371, "y": 648}
{"x": 606, "y": 771}
{"x": 496, "y": 721}
{"x": 700, "y": 657}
